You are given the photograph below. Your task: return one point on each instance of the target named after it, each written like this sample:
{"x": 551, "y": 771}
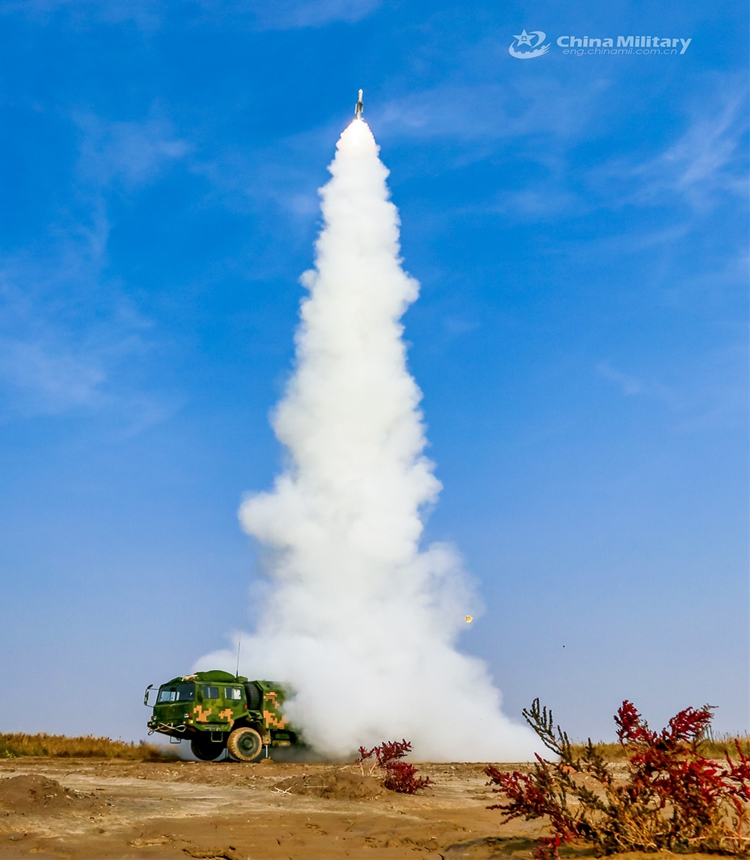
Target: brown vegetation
{"x": 400, "y": 776}
{"x": 669, "y": 795}
{"x": 60, "y": 746}
{"x": 716, "y": 747}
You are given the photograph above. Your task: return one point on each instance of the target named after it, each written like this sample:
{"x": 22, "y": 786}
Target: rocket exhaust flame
{"x": 359, "y": 620}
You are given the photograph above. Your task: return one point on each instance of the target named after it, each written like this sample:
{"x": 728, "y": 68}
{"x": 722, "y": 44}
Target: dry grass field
{"x": 59, "y": 746}
{"x": 714, "y": 747}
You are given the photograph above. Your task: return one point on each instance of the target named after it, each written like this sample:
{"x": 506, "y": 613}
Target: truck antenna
{"x": 239, "y": 645}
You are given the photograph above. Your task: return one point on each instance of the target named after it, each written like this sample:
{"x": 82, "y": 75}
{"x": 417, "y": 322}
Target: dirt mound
{"x": 333, "y": 784}
{"x": 29, "y": 793}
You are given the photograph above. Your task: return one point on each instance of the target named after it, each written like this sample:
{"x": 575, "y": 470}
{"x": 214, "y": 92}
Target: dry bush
{"x": 719, "y": 746}
{"x": 60, "y": 746}
{"x": 670, "y": 795}
{"x": 397, "y": 775}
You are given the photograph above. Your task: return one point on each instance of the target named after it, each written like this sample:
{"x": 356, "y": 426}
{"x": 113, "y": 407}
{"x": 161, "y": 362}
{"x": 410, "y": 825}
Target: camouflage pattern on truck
{"x": 215, "y": 711}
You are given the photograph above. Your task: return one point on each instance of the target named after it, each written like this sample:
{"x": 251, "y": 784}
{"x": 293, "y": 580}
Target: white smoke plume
{"x": 357, "y": 619}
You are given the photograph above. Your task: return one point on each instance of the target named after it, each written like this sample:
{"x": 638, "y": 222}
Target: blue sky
{"x": 579, "y": 228}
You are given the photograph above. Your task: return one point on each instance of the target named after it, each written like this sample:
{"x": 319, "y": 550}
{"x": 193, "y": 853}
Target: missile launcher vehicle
{"x": 217, "y": 711}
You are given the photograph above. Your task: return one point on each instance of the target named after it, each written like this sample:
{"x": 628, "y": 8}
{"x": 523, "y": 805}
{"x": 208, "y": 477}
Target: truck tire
{"x": 245, "y": 744}
{"x": 205, "y": 749}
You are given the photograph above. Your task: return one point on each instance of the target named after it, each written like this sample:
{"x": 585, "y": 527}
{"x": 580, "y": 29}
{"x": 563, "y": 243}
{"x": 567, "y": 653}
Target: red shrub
{"x": 671, "y": 797}
{"x": 546, "y": 848}
{"x": 399, "y": 775}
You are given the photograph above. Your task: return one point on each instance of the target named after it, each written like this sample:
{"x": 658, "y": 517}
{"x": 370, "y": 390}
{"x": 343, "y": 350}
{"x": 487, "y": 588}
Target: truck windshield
{"x": 178, "y": 693}
{"x": 210, "y": 692}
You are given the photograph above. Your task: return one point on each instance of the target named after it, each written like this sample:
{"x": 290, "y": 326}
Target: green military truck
{"x": 217, "y": 711}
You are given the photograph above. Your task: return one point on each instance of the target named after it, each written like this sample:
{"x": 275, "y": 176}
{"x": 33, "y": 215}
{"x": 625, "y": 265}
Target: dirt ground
{"x": 61, "y": 808}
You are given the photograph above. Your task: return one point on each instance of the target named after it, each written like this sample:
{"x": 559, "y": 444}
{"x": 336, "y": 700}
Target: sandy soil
{"x": 109, "y": 809}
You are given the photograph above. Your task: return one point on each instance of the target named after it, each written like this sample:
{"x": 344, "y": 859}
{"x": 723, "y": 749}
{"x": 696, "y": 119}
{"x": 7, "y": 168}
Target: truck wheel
{"x": 245, "y": 744}
{"x": 205, "y": 749}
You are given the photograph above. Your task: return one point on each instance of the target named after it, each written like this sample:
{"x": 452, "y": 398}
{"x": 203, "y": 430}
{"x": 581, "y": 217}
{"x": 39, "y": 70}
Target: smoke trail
{"x": 358, "y": 620}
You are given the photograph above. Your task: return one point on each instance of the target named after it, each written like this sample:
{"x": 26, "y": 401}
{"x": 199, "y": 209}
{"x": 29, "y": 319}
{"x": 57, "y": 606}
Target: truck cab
{"x": 216, "y": 711}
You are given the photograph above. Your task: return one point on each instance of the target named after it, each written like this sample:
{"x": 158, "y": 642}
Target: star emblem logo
{"x": 530, "y": 45}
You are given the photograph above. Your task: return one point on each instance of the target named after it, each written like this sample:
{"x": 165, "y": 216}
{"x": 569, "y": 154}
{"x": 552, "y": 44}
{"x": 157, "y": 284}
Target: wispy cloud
{"x": 132, "y": 153}
{"x": 537, "y": 203}
{"x": 710, "y": 394}
{"x": 702, "y": 166}
{"x": 282, "y": 179}
{"x": 493, "y": 112}
{"x": 631, "y": 386}
{"x": 708, "y": 159}
{"x": 296, "y": 14}
{"x": 67, "y": 329}
{"x": 67, "y": 333}
{"x": 148, "y": 15}
{"x": 47, "y": 379}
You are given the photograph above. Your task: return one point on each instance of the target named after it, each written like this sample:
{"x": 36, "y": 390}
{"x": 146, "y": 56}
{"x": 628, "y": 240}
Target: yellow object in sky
{"x": 469, "y": 619}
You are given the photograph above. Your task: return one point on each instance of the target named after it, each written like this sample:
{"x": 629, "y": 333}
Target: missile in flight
{"x": 359, "y": 107}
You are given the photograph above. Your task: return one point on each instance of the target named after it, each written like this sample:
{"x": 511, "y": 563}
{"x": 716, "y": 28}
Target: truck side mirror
{"x": 145, "y": 695}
